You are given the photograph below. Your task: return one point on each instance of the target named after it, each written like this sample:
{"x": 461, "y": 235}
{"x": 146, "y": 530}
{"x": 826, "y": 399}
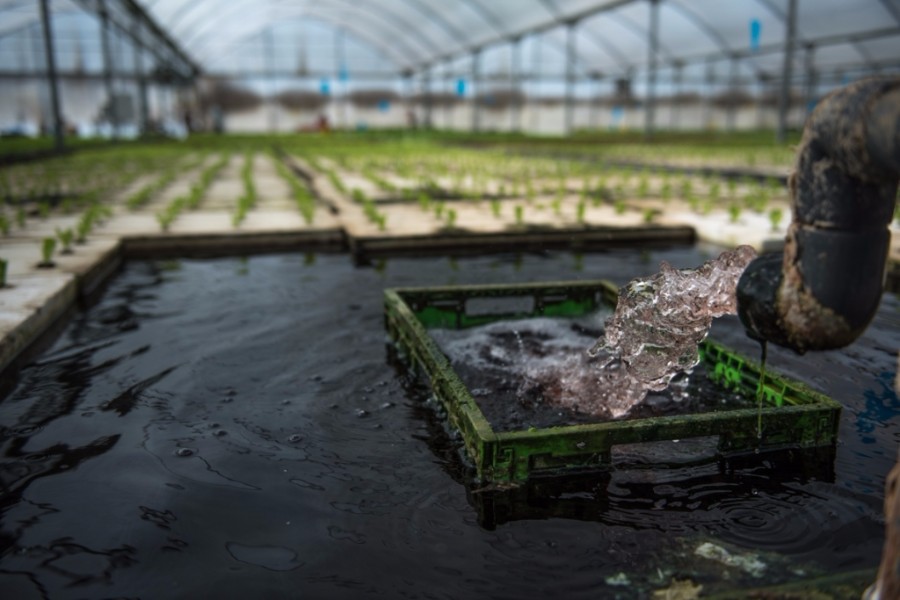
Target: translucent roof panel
{"x": 390, "y": 38}
{"x": 424, "y": 31}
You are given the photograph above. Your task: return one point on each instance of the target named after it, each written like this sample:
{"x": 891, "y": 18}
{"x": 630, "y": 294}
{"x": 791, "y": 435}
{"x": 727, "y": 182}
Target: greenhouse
{"x": 449, "y": 299}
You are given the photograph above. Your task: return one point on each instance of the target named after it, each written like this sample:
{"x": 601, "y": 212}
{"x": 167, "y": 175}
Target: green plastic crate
{"x": 793, "y": 416}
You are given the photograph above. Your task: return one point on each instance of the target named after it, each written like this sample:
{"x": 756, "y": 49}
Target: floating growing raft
{"x": 792, "y": 416}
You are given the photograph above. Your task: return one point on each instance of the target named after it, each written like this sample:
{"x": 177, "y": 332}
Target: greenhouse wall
{"x": 26, "y": 103}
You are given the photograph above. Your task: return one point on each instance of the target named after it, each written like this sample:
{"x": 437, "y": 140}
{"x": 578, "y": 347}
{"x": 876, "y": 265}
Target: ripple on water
{"x": 343, "y": 483}
{"x": 273, "y": 558}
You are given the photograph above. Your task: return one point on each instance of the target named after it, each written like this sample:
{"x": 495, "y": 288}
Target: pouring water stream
{"x": 657, "y": 326}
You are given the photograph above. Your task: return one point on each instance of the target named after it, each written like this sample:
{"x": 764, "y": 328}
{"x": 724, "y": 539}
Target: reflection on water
{"x": 229, "y": 428}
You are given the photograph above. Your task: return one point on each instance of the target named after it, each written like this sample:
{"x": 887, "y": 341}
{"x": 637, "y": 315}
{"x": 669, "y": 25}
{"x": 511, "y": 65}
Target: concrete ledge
{"x": 527, "y": 239}
{"x": 37, "y": 302}
{"x": 29, "y": 309}
{"x": 230, "y": 244}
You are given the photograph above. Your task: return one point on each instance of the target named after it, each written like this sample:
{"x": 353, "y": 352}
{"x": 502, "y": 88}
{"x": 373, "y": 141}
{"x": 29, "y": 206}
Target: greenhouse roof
{"x": 536, "y": 38}
{"x": 610, "y": 36}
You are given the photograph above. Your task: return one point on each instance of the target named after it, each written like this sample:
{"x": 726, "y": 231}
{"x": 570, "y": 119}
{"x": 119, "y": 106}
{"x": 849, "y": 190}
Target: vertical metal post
{"x": 426, "y": 94}
{"x": 408, "y": 93}
{"x": 710, "y": 81}
{"x": 52, "y": 79}
{"x": 270, "y": 75}
{"x": 784, "y": 98}
{"x": 650, "y": 110}
{"x": 341, "y": 78}
{"x": 515, "y": 57}
{"x": 676, "y": 96}
{"x": 476, "y": 88}
{"x": 760, "y": 97}
{"x": 811, "y": 78}
{"x": 570, "y": 77}
{"x": 732, "y": 93}
{"x": 448, "y": 88}
{"x": 143, "y": 112}
{"x": 107, "y": 68}
{"x": 38, "y": 56}
{"x": 536, "y": 78}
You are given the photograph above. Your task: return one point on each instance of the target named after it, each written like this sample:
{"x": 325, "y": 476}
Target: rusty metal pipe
{"x": 823, "y": 291}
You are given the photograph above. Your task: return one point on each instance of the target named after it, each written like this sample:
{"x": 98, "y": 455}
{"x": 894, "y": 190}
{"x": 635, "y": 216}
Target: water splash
{"x": 658, "y": 323}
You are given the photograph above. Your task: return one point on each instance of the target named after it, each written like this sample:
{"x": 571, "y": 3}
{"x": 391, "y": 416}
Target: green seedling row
{"x": 248, "y": 199}
{"x": 194, "y": 198}
{"x": 303, "y": 197}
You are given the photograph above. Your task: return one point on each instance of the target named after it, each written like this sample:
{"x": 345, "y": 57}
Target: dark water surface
{"x": 232, "y": 429}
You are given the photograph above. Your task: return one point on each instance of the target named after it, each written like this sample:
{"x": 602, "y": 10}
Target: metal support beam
{"x": 37, "y": 57}
{"x": 270, "y": 70}
{"x": 893, "y": 8}
{"x": 340, "y": 80}
{"x": 709, "y": 80}
{"x": 476, "y": 88}
{"x": 650, "y": 102}
{"x": 515, "y": 68}
{"x": 408, "y": 94}
{"x": 811, "y": 83}
{"x": 570, "y": 77}
{"x": 594, "y": 101}
{"x": 161, "y": 45}
{"x": 52, "y": 81}
{"x": 108, "y": 67}
{"x": 536, "y": 78}
{"x": 676, "y": 95}
{"x": 448, "y": 88}
{"x": 143, "y": 111}
{"x": 426, "y": 96}
{"x": 784, "y": 98}
{"x": 731, "y": 115}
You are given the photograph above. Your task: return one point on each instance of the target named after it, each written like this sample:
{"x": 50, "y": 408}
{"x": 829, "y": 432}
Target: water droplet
{"x": 361, "y": 412}
{"x": 387, "y": 405}
{"x": 294, "y": 438}
{"x": 183, "y": 452}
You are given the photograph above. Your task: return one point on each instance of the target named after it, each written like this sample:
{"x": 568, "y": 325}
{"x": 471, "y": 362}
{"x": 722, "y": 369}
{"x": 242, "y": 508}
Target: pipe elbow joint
{"x": 824, "y": 290}
{"x": 821, "y": 300}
